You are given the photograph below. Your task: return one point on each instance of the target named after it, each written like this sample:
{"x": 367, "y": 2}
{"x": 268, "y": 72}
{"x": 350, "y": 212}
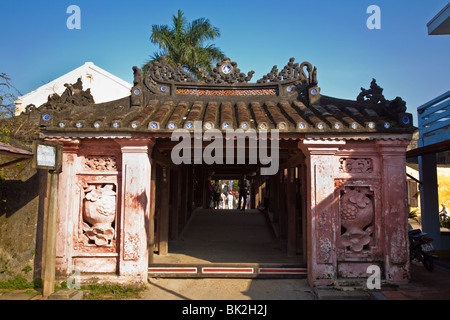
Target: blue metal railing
{"x": 434, "y": 120}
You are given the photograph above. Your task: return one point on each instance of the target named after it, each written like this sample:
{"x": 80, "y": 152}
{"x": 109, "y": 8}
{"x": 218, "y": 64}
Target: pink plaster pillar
{"x": 322, "y": 166}
{"x": 67, "y": 207}
{"x": 394, "y": 209}
{"x": 135, "y": 204}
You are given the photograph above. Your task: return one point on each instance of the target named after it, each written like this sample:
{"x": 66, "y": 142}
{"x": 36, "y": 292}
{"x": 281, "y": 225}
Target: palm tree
{"x": 183, "y": 43}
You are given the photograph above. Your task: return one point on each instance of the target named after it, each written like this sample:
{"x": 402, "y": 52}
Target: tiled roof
{"x": 12, "y": 151}
{"x": 167, "y": 99}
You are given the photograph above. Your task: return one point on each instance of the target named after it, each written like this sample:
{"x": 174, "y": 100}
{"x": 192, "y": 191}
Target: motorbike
{"x": 421, "y": 248}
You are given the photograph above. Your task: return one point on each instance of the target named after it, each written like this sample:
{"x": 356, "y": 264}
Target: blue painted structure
{"x": 434, "y": 120}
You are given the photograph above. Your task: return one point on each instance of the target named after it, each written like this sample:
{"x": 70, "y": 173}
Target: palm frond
{"x": 183, "y": 43}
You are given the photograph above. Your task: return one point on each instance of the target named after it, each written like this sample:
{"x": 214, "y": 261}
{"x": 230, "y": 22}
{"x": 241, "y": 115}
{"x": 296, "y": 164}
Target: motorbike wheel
{"x": 428, "y": 262}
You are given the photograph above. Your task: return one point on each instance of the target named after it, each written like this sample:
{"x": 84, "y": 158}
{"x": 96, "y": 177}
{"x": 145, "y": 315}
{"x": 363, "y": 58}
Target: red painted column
{"x": 321, "y": 170}
{"x": 394, "y": 209}
{"x": 135, "y": 204}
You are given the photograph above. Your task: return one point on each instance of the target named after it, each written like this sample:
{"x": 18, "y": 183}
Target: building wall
{"x": 19, "y": 221}
{"x": 103, "y": 85}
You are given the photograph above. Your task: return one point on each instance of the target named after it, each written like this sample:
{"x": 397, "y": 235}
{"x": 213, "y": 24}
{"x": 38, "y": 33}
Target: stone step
{"x": 227, "y": 270}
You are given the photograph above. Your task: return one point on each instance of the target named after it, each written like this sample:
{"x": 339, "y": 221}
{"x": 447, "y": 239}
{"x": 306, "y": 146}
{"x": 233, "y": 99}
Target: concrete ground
{"x": 227, "y": 289}
{"x": 225, "y": 234}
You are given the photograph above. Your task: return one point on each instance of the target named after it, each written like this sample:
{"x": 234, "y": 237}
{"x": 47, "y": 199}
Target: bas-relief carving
{"x": 357, "y": 213}
{"x": 99, "y": 214}
{"x": 356, "y": 165}
{"x": 100, "y": 163}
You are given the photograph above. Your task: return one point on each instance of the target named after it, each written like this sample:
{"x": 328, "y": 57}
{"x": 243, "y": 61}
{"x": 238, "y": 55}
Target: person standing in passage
{"x": 230, "y": 200}
{"x": 224, "y": 200}
{"x": 210, "y": 190}
{"x": 443, "y": 214}
{"x": 216, "y": 195}
{"x": 243, "y": 191}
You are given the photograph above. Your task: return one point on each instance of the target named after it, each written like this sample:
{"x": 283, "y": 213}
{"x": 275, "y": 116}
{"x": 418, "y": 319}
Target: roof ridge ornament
{"x": 393, "y": 108}
{"x": 227, "y": 71}
{"x": 292, "y": 71}
{"x": 73, "y": 95}
{"x": 372, "y": 95}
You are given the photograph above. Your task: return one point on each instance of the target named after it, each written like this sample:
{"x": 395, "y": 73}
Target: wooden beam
{"x": 50, "y": 221}
{"x": 164, "y": 215}
{"x": 151, "y": 225}
{"x": 291, "y": 213}
{"x": 294, "y": 161}
{"x": 162, "y": 159}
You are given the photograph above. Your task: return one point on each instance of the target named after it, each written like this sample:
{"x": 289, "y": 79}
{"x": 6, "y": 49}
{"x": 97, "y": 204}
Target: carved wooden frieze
{"x": 357, "y": 213}
{"x": 356, "y": 165}
{"x": 100, "y": 163}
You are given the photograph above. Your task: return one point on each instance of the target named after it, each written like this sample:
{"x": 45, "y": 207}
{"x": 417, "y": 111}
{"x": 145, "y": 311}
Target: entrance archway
{"x": 189, "y": 234}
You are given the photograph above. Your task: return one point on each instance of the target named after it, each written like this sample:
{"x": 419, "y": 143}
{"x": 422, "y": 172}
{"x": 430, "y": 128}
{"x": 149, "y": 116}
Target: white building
{"x": 104, "y": 87}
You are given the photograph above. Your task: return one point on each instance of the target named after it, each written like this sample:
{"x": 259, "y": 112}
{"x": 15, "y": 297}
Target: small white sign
{"x": 46, "y": 156}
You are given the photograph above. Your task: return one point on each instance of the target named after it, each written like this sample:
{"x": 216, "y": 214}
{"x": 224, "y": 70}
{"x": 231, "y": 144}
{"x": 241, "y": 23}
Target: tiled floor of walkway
{"x": 227, "y": 236}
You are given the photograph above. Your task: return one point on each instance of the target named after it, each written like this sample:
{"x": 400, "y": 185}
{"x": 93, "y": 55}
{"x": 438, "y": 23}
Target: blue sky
{"x": 37, "y": 47}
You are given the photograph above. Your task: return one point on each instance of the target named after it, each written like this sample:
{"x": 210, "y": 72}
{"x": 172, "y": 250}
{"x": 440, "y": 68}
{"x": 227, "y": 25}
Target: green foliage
{"x": 111, "y": 292}
{"x": 19, "y": 283}
{"x": 7, "y": 97}
{"x": 184, "y": 43}
{"x": 4, "y": 135}
{"x": 413, "y": 215}
{"x": 445, "y": 224}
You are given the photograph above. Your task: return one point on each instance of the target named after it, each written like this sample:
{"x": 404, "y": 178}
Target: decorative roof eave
{"x": 280, "y": 135}
{"x": 296, "y": 111}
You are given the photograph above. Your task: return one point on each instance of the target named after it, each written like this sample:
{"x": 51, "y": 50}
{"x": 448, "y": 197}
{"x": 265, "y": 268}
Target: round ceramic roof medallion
{"x": 290, "y": 89}
{"x": 189, "y": 125}
{"x": 62, "y": 125}
{"x": 226, "y": 68}
{"x": 134, "y": 125}
{"x": 405, "y": 120}
{"x": 337, "y": 126}
{"x": 79, "y": 125}
{"x": 387, "y": 125}
{"x": 302, "y": 126}
{"x": 171, "y": 126}
{"x": 46, "y": 117}
{"x": 320, "y": 126}
{"x": 372, "y": 125}
{"x": 116, "y": 124}
{"x": 154, "y": 125}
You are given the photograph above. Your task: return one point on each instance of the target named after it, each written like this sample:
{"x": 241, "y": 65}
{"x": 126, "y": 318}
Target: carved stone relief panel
{"x": 100, "y": 163}
{"x": 356, "y": 165}
{"x": 99, "y": 207}
{"x": 356, "y": 207}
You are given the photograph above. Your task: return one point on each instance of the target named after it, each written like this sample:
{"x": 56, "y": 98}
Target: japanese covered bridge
{"x": 331, "y": 179}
